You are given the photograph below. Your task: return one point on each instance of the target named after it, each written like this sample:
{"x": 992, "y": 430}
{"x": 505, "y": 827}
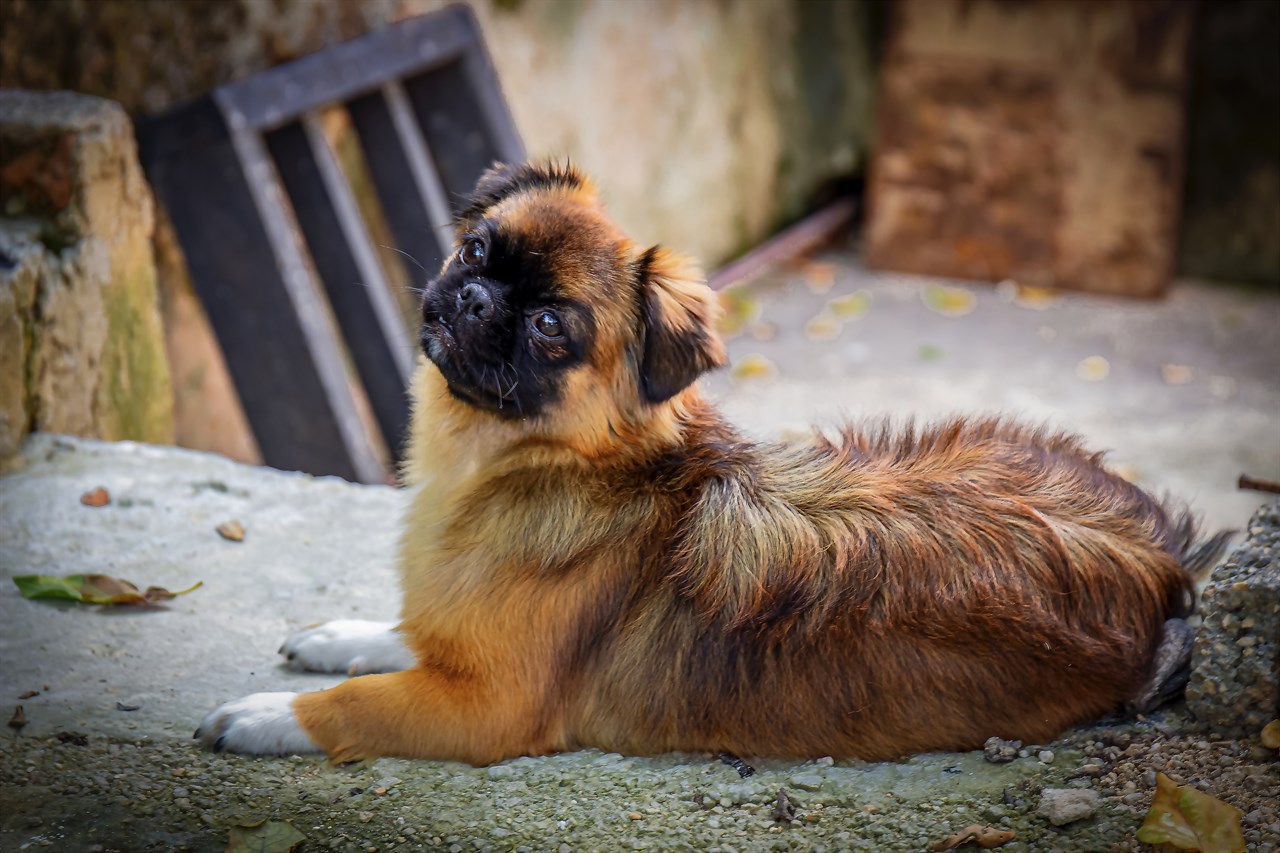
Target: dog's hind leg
{"x": 353, "y": 646}
{"x": 1171, "y": 668}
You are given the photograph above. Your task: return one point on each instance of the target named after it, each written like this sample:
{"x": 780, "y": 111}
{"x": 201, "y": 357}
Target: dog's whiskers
{"x": 407, "y": 255}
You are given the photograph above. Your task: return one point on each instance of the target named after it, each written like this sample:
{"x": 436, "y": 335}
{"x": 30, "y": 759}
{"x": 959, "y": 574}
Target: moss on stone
{"x": 135, "y": 399}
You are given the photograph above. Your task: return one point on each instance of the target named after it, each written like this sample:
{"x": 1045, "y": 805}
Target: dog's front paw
{"x": 258, "y": 724}
{"x": 353, "y": 646}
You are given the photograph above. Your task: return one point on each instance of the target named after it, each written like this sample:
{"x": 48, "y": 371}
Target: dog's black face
{"x": 547, "y": 307}
{"x": 499, "y": 326}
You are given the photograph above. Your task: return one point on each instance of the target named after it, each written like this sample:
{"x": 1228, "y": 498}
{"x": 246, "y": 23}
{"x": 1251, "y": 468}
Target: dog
{"x": 594, "y": 557}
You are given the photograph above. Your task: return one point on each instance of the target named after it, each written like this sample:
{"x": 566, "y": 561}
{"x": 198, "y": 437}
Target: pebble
{"x": 807, "y": 781}
{"x": 1045, "y": 756}
{"x": 1061, "y": 806}
{"x": 997, "y": 750}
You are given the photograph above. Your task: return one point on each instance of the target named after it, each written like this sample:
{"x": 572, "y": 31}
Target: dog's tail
{"x": 1197, "y": 556}
{"x": 1203, "y": 556}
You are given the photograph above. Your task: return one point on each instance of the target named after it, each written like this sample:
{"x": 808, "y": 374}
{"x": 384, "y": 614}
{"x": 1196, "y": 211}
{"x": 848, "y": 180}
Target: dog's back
{"x": 891, "y": 591}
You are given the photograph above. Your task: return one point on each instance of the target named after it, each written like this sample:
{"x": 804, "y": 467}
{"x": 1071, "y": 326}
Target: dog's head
{"x": 547, "y": 312}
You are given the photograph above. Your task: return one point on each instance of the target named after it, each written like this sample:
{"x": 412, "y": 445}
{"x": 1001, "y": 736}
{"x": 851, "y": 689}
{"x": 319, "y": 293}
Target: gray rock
{"x": 998, "y": 751}
{"x": 1061, "y": 806}
{"x": 1237, "y": 647}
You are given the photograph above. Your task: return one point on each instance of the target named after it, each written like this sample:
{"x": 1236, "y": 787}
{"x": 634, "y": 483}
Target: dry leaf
{"x": 740, "y": 309}
{"x": 1095, "y": 368}
{"x": 231, "y": 530}
{"x": 1271, "y": 735}
{"x": 851, "y": 306}
{"x": 93, "y": 589}
{"x": 265, "y": 836}
{"x": 1128, "y": 472}
{"x": 1188, "y": 819}
{"x": 983, "y": 836}
{"x": 754, "y": 366}
{"x": 819, "y": 276}
{"x": 19, "y": 718}
{"x": 97, "y": 497}
{"x": 824, "y": 327}
{"x": 948, "y": 301}
{"x": 1175, "y": 374}
{"x": 30, "y": 694}
{"x": 1035, "y": 298}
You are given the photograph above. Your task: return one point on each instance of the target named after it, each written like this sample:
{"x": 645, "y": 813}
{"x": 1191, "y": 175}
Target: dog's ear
{"x": 679, "y": 316}
{"x": 502, "y": 181}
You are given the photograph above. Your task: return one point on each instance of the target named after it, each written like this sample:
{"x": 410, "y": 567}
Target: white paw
{"x": 353, "y": 646}
{"x": 258, "y": 724}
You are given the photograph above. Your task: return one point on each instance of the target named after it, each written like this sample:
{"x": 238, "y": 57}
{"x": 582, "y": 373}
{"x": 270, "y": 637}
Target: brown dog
{"x": 595, "y": 558}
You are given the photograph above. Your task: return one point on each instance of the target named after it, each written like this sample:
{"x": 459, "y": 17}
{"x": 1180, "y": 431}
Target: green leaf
{"x": 851, "y": 306}
{"x": 740, "y": 309}
{"x": 265, "y": 836}
{"x": 929, "y": 352}
{"x": 753, "y": 366}
{"x": 948, "y": 301}
{"x": 93, "y": 589}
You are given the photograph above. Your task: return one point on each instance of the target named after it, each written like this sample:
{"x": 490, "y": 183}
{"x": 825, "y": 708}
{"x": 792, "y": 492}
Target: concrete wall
{"x": 707, "y": 124}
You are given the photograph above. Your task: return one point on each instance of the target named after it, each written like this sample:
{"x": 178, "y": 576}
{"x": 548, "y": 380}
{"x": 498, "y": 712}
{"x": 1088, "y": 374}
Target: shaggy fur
{"x": 595, "y": 558}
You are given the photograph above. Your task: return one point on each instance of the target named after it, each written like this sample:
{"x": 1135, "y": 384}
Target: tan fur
{"x": 636, "y": 576}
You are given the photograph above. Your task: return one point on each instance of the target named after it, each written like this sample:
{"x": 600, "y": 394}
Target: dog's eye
{"x": 548, "y": 325}
{"x": 472, "y": 253}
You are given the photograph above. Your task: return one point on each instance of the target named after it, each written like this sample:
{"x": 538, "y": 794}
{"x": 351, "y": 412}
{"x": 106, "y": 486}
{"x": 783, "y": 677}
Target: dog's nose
{"x": 475, "y": 301}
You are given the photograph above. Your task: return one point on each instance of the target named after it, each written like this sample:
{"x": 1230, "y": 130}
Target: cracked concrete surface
{"x": 318, "y": 549}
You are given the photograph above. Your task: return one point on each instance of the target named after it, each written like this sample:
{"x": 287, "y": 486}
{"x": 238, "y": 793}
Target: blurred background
{"x": 1063, "y": 209}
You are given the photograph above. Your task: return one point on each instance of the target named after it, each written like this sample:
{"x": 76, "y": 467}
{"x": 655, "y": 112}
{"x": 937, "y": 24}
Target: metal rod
{"x": 805, "y": 235}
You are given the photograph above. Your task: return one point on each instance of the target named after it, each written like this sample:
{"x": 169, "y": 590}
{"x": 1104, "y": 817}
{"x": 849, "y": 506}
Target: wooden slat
{"x": 319, "y": 337}
{"x": 199, "y": 177}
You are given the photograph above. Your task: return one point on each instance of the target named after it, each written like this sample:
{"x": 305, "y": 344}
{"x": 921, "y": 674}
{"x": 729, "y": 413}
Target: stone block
{"x": 1036, "y": 141}
{"x": 1235, "y": 663}
{"x": 80, "y": 335}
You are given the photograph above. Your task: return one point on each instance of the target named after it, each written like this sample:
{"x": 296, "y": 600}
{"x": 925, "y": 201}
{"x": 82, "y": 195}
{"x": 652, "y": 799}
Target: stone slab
{"x": 79, "y": 317}
{"x": 1235, "y": 674}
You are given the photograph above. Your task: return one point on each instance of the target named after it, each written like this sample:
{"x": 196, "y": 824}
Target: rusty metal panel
{"x": 1039, "y": 141}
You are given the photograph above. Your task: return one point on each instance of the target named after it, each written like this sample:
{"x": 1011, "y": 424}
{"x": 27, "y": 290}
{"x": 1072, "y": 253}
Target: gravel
{"x": 115, "y": 794}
